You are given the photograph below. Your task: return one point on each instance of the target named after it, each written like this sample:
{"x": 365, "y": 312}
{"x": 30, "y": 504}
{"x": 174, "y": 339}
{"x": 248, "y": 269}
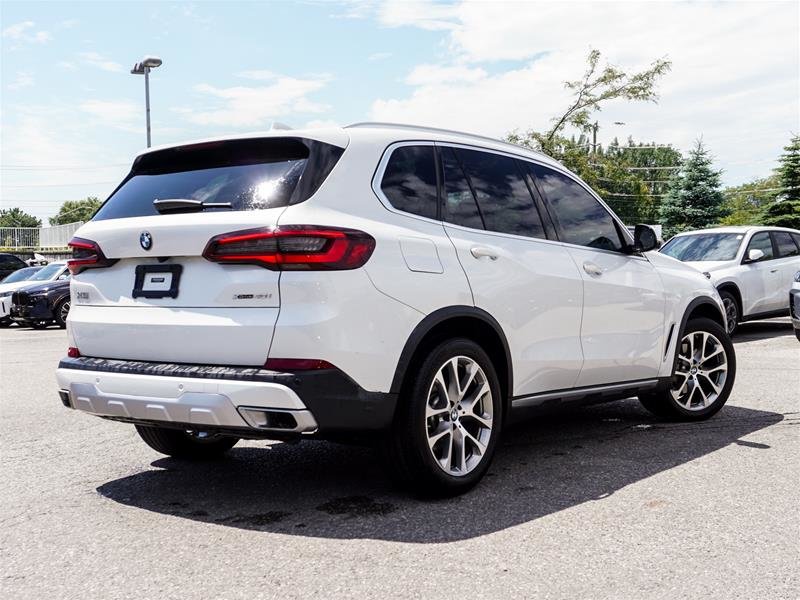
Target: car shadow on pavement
{"x": 543, "y": 466}
{"x": 763, "y": 330}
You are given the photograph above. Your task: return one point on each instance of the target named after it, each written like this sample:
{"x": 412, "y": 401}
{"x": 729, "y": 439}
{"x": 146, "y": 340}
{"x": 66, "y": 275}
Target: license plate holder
{"x": 157, "y": 281}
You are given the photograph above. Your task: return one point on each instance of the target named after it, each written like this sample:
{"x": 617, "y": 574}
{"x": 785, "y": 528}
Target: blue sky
{"x": 73, "y": 117}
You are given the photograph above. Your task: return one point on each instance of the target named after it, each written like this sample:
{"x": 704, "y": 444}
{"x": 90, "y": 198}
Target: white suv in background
{"x": 419, "y": 286}
{"x": 752, "y": 267}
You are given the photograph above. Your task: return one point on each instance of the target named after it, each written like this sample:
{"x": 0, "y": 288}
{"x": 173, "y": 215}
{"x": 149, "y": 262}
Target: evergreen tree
{"x": 694, "y": 200}
{"x": 788, "y": 170}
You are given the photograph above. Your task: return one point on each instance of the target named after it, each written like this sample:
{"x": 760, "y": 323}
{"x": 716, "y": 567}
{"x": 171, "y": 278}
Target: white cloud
{"x": 321, "y": 124}
{"x": 22, "y": 32}
{"x": 735, "y": 75}
{"x": 375, "y": 56}
{"x": 67, "y": 65}
{"x": 101, "y": 62}
{"x": 22, "y": 80}
{"x": 425, "y": 14}
{"x": 258, "y": 75}
{"x": 120, "y": 114}
{"x": 64, "y": 156}
{"x": 438, "y": 74}
{"x": 242, "y": 106}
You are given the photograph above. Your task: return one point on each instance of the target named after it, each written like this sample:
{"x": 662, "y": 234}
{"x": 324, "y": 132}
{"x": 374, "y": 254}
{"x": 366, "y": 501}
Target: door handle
{"x": 773, "y": 270}
{"x": 483, "y": 252}
{"x": 592, "y": 269}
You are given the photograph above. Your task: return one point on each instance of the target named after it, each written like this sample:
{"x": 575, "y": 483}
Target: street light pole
{"x": 147, "y": 100}
{"x": 143, "y": 68}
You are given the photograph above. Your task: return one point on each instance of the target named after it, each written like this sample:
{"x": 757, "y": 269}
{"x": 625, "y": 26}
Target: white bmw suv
{"x": 418, "y": 286}
{"x": 751, "y": 267}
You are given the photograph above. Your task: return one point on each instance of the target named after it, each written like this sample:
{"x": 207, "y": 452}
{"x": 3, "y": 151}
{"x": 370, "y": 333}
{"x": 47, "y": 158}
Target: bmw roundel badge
{"x": 146, "y": 240}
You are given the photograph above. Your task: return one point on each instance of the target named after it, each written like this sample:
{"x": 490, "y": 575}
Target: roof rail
{"x": 438, "y": 130}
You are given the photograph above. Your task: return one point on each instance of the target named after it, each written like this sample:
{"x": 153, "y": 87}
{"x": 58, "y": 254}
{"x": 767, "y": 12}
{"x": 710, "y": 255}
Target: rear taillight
{"x": 86, "y": 254}
{"x": 73, "y": 352}
{"x": 293, "y": 248}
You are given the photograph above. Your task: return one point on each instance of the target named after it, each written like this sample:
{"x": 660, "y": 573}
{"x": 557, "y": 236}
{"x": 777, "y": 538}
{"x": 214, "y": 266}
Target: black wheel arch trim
{"x": 697, "y": 302}
{"x": 438, "y": 317}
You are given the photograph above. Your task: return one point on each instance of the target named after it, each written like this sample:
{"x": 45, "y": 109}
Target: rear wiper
{"x": 186, "y": 205}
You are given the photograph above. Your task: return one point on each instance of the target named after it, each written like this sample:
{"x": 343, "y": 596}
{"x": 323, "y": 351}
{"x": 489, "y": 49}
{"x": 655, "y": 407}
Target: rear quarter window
{"x": 409, "y": 180}
{"x": 249, "y": 174}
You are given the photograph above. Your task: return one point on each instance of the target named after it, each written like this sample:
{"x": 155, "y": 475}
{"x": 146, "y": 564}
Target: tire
{"x": 5, "y": 323}
{"x": 699, "y": 387}
{"x": 183, "y": 444}
{"x": 733, "y": 312}
{"x": 61, "y": 311}
{"x": 797, "y": 334}
{"x": 434, "y": 422}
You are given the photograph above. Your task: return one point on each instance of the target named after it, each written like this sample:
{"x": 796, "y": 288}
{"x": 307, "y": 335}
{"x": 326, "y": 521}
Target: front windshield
{"x": 703, "y": 247}
{"x": 47, "y": 272}
{"x": 20, "y": 275}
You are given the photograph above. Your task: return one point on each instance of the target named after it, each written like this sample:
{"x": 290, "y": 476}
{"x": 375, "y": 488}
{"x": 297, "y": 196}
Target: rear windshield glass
{"x": 704, "y": 246}
{"x": 248, "y": 174}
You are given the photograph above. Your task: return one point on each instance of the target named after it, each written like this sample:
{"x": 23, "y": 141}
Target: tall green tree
{"x": 788, "y": 170}
{"x": 16, "y": 217}
{"x": 607, "y": 173}
{"x": 598, "y": 85}
{"x": 695, "y": 199}
{"x": 76, "y": 210}
{"x": 744, "y": 204}
{"x": 784, "y": 213}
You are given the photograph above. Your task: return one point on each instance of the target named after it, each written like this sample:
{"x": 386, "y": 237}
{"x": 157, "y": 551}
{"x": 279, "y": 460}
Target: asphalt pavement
{"x": 603, "y": 502}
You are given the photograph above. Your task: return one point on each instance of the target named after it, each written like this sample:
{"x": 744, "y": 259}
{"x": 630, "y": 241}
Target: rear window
{"x": 409, "y": 181}
{"x": 785, "y": 243}
{"x": 250, "y": 174}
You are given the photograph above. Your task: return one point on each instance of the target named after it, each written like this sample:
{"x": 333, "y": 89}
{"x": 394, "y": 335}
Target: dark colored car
{"x": 10, "y": 263}
{"x": 40, "y": 305}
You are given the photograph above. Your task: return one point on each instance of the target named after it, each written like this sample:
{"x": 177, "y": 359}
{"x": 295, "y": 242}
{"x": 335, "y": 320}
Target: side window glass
{"x": 582, "y": 219}
{"x": 503, "y": 197}
{"x": 761, "y": 241}
{"x": 785, "y": 243}
{"x": 460, "y": 207}
{"x": 409, "y": 181}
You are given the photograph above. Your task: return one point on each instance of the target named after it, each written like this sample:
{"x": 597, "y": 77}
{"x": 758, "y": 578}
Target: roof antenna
{"x": 277, "y": 126}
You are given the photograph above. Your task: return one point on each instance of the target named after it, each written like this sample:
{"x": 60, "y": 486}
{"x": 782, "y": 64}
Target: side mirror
{"x": 754, "y": 254}
{"x": 644, "y": 238}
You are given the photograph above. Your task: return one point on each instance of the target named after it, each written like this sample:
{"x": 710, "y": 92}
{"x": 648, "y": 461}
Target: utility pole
{"x": 594, "y": 138}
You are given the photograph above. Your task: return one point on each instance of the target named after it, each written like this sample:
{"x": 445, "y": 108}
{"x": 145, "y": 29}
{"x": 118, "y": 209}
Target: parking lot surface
{"x": 605, "y": 502}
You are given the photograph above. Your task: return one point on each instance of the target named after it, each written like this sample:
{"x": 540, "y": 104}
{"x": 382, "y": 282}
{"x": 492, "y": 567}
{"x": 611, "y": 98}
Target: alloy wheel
{"x": 62, "y": 314}
{"x": 701, "y": 371}
{"x": 731, "y": 313}
{"x": 459, "y": 416}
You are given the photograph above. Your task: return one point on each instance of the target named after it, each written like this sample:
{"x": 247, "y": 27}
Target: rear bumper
{"x": 251, "y": 400}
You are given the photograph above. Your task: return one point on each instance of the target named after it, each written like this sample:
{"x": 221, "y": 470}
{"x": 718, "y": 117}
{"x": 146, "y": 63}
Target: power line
{"x": 60, "y": 167}
{"x": 640, "y": 168}
{"x": 29, "y": 185}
